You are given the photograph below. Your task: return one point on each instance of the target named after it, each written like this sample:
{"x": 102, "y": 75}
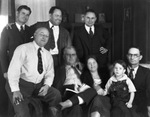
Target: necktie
{"x": 131, "y": 74}
{"x": 21, "y": 29}
{"x": 76, "y": 71}
{"x": 91, "y": 32}
{"x": 40, "y": 64}
{"x": 52, "y": 41}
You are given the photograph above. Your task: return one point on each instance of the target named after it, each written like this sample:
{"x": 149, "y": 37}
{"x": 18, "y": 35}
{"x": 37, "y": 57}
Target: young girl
{"x": 121, "y": 90}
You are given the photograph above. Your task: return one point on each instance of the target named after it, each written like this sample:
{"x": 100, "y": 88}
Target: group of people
{"x": 70, "y": 75}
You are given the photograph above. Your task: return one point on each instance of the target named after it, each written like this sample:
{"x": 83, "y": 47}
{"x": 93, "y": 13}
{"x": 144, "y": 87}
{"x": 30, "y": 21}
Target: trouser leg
{"x": 21, "y": 110}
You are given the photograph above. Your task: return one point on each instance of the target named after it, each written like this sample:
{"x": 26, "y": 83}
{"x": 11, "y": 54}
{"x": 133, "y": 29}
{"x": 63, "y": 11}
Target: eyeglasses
{"x": 42, "y": 35}
{"x": 134, "y": 55}
{"x": 70, "y": 54}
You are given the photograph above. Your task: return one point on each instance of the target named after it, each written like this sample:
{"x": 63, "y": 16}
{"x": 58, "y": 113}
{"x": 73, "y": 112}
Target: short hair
{"x": 68, "y": 48}
{"x": 121, "y": 62}
{"x": 24, "y": 7}
{"x": 91, "y": 56}
{"x": 90, "y": 10}
{"x": 140, "y": 51}
{"x": 52, "y": 9}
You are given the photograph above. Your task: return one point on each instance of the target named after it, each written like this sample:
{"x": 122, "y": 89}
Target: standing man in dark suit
{"x": 19, "y": 33}
{"x": 59, "y": 38}
{"x": 141, "y": 79}
{"x": 11, "y": 38}
{"x": 90, "y": 39}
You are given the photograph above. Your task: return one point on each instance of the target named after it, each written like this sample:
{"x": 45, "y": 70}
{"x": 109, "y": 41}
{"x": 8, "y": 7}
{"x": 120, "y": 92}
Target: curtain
{"x": 3, "y": 14}
{"x": 39, "y": 8}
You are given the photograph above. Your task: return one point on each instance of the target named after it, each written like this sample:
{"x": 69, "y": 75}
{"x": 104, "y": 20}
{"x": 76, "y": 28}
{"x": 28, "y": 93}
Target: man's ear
{"x": 50, "y": 15}
{"x": 95, "y": 19}
{"x": 141, "y": 57}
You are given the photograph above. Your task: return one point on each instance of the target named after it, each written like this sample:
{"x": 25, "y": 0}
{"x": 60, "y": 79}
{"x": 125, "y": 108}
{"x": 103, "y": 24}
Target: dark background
{"x": 128, "y": 21}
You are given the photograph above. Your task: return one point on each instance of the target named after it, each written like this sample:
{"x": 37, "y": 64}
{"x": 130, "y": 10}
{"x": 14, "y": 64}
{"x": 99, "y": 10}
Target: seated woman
{"x": 100, "y": 106}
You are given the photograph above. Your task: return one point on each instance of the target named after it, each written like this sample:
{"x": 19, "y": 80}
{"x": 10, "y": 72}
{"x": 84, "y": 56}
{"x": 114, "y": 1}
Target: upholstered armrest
{"x": 147, "y": 65}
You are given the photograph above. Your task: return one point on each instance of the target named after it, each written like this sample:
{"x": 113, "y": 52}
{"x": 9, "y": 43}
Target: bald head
{"x": 41, "y": 36}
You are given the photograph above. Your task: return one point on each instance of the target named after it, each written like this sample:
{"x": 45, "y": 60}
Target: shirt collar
{"x": 50, "y": 25}
{"x": 18, "y": 26}
{"x": 36, "y": 46}
{"x": 122, "y": 78}
{"x": 88, "y": 28}
{"x": 135, "y": 69}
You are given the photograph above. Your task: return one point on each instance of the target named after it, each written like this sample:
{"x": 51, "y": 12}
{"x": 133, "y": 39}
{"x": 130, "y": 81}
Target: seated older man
{"x": 67, "y": 81}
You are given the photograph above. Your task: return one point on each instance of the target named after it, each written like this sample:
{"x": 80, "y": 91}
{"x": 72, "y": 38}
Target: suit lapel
{"x": 85, "y": 37}
{"x": 59, "y": 36}
{"x": 47, "y": 46}
{"x": 138, "y": 76}
{"x": 64, "y": 74}
{"x": 61, "y": 77}
{"x": 17, "y": 33}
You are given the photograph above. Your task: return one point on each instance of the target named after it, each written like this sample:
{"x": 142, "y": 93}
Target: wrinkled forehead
{"x": 133, "y": 51}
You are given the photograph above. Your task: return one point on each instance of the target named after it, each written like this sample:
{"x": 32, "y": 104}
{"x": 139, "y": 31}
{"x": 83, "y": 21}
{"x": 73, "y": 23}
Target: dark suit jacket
{"x": 86, "y": 46}
{"x": 63, "y": 39}
{"x": 60, "y": 77}
{"x": 10, "y": 39}
{"x": 142, "y": 85}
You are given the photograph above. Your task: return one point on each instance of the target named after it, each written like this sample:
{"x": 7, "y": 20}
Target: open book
{"x": 80, "y": 89}
{"x": 67, "y": 89}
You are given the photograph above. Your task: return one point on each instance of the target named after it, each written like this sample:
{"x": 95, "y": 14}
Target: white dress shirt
{"x": 56, "y": 35}
{"x": 134, "y": 71}
{"x": 24, "y": 65}
{"x": 88, "y": 29}
{"x": 19, "y": 26}
{"x": 71, "y": 77}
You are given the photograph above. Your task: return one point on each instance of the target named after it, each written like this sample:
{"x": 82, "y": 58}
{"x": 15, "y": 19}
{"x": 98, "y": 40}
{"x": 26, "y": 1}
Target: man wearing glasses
{"x": 67, "y": 81}
{"x": 31, "y": 74}
{"x": 141, "y": 79}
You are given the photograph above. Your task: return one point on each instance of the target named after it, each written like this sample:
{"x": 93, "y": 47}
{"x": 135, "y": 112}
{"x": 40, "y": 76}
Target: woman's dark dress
{"x": 99, "y": 103}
